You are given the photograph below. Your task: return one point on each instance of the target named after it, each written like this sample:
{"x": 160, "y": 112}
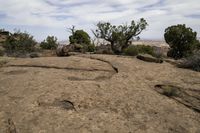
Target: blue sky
{"x": 52, "y": 17}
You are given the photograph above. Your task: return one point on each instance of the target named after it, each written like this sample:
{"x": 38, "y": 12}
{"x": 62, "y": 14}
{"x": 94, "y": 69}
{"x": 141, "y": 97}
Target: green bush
{"x": 131, "y": 50}
{"x": 19, "y": 42}
{"x": 85, "y": 48}
{"x": 134, "y": 50}
{"x": 49, "y": 43}
{"x": 181, "y": 39}
{"x": 80, "y": 37}
{"x": 91, "y": 48}
{"x": 170, "y": 91}
{"x": 192, "y": 62}
{"x": 145, "y": 49}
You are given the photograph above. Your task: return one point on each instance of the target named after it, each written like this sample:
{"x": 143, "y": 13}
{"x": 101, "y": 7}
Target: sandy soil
{"x": 95, "y": 93}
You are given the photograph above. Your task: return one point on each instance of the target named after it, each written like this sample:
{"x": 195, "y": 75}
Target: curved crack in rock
{"x": 114, "y": 68}
{"x": 179, "y": 95}
{"x": 63, "y": 104}
{"x": 62, "y": 68}
{"x": 98, "y": 78}
{"x": 102, "y": 60}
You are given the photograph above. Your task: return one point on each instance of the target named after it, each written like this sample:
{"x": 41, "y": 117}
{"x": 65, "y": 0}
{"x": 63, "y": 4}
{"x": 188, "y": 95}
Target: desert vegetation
{"x": 82, "y": 38}
{"x": 79, "y": 36}
{"x": 182, "y": 41}
{"x": 1, "y": 52}
{"x": 192, "y": 62}
{"x": 19, "y": 42}
{"x": 49, "y": 43}
{"x": 93, "y": 87}
{"x": 120, "y": 36}
{"x": 134, "y": 50}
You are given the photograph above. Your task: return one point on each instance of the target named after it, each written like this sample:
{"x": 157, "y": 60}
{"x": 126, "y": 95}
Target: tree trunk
{"x": 125, "y": 46}
{"x": 118, "y": 48}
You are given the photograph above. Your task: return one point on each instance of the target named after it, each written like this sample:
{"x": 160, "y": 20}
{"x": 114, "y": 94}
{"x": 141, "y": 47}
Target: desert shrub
{"x": 181, "y": 39}
{"x": 145, "y": 49}
{"x": 131, "y": 50}
{"x": 170, "y": 91}
{"x": 90, "y": 48}
{"x": 78, "y": 48}
{"x": 121, "y": 35}
{"x": 20, "y": 42}
{"x": 79, "y": 37}
{"x": 107, "y": 52}
{"x": 192, "y": 62}
{"x": 1, "y": 52}
{"x": 134, "y": 50}
{"x": 103, "y": 49}
{"x": 49, "y": 43}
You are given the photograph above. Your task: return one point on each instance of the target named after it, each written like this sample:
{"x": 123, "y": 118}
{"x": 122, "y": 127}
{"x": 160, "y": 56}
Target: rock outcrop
{"x": 149, "y": 58}
{"x": 64, "y": 50}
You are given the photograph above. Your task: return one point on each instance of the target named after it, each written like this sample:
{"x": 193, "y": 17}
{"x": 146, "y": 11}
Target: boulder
{"x": 34, "y": 55}
{"x": 59, "y": 51}
{"x": 172, "y": 61}
{"x": 64, "y": 50}
{"x": 149, "y": 58}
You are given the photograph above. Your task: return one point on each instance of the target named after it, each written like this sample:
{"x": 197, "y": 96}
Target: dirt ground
{"x": 96, "y": 94}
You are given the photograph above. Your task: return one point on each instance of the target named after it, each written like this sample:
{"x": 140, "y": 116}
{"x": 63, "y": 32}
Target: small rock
{"x": 34, "y": 55}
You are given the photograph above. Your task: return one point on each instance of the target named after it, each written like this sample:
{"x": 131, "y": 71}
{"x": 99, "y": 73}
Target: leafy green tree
{"x": 120, "y": 36}
{"x": 49, "y": 43}
{"x": 20, "y": 42}
{"x": 181, "y": 39}
{"x": 79, "y": 36}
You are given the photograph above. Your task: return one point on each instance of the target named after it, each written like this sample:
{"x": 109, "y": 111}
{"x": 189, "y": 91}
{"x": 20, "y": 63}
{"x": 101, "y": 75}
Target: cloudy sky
{"x": 52, "y": 17}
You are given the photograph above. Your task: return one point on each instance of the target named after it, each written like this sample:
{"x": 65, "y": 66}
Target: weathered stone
{"x": 149, "y": 58}
{"x": 34, "y": 55}
{"x": 64, "y": 50}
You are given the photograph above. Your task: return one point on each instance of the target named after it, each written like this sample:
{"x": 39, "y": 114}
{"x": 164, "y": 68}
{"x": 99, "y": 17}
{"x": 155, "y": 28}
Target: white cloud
{"x": 56, "y": 15}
